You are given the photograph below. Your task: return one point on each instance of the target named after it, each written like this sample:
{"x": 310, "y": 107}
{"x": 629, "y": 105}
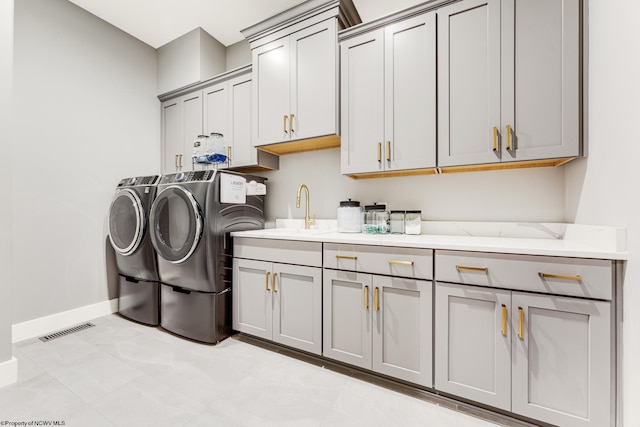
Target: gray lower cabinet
{"x": 381, "y": 323}
{"x": 509, "y": 80}
{"x": 275, "y": 299}
{"x": 542, "y": 356}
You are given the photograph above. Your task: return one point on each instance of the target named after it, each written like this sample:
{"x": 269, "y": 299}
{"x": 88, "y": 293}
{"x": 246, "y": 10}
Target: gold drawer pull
{"x": 351, "y": 258}
{"x": 376, "y": 299}
{"x": 379, "y": 152}
{"x": 273, "y": 282}
{"x": 291, "y": 123}
{"x": 366, "y": 297}
{"x": 504, "y": 320}
{"x": 495, "y": 138}
{"x": 266, "y": 282}
{"x": 577, "y": 278}
{"x": 388, "y": 150}
{"x": 284, "y": 124}
{"x": 393, "y": 261}
{"x": 520, "y": 323}
{"x": 464, "y": 268}
{"x": 508, "y": 137}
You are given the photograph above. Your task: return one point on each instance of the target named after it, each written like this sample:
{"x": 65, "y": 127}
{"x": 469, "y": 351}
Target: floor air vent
{"x": 65, "y": 332}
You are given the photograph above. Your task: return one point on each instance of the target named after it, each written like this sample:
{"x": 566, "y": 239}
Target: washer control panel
{"x": 139, "y": 180}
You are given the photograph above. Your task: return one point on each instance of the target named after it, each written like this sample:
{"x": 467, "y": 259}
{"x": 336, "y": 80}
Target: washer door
{"x": 126, "y": 221}
{"x": 176, "y": 224}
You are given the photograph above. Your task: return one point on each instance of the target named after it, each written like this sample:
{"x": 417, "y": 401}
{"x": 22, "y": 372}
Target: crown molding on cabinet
{"x": 344, "y": 9}
{"x": 228, "y": 75}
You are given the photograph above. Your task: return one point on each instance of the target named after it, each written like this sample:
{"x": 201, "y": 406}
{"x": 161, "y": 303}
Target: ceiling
{"x": 157, "y": 22}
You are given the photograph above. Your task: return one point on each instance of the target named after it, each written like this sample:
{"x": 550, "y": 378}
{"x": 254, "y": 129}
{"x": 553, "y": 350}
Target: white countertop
{"x": 552, "y": 239}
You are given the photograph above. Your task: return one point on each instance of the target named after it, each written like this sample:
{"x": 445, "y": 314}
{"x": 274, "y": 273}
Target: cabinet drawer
{"x": 283, "y": 251}
{"x": 392, "y": 261}
{"x": 589, "y": 278}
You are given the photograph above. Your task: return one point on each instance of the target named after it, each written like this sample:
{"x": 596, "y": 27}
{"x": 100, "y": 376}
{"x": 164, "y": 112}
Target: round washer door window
{"x": 126, "y": 222}
{"x": 176, "y": 224}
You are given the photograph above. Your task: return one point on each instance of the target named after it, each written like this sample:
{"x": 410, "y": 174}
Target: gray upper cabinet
{"x": 294, "y": 89}
{"x": 388, "y": 98}
{"x": 222, "y": 105}
{"x": 508, "y": 81}
{"x": 181, "y": 125}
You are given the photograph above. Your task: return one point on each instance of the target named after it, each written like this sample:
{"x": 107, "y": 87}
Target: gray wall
{"x": 6, "y": 84}
{"x": 603, "y": 188}
{"x": 86, "y": 115}
{"x": 191, "y": 58}
{"x": 509, "y": 195}
{"x": 238, "y": 54}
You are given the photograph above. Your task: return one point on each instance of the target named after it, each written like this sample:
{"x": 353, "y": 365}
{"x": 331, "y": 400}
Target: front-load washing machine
{"x": 190, "y": 228}
{"x": 138, "y": 287}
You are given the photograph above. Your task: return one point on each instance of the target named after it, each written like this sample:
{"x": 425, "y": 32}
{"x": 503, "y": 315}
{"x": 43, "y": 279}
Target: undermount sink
{"x": 295, "y": 231}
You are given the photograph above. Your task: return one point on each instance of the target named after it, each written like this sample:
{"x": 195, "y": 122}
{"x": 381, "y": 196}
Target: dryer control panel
{"x": 191, "y": 176}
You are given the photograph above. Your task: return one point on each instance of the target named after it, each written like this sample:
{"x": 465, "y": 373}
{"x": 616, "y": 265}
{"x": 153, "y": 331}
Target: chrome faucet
{"x": 308, "y": 222}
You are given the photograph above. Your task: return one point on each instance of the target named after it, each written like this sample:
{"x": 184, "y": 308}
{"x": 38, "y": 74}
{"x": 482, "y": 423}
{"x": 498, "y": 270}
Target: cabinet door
{"x": 347, "y": 306}
{"x": 297, "y": 307}
{"x": 242, "y": 151}
{"x": 541, "y": 78}
{"x": 468, "y": 82}
{"x": 252, "y": 312}
{"x": 271, "y": 92}
{"x": 191, "y": 125}
{"x": 562, "y": 360}
{"x": 410, "y": 93}
{"x": 402, "y": 313}
{"x": 473, "y": 343}
{"x": 172, "y": 145}
{"x": 362, "y": 102}
{"x": 216, "y": 113}
{"x": 313, "y": 80}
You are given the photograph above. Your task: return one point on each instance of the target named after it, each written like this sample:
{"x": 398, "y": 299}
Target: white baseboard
{"x": 45, "y": 325}
{"x": 8, "y": 372}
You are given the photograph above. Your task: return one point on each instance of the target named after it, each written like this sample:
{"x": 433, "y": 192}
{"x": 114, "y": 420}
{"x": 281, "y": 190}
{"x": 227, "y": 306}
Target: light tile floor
{"x": 120, "y": 373}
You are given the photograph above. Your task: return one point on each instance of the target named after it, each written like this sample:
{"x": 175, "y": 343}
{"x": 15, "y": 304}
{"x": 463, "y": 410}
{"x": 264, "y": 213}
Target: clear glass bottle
{"x": 376, "y": 219}
{"x": 413, "y": 222}
{"x": 396, "y": 222}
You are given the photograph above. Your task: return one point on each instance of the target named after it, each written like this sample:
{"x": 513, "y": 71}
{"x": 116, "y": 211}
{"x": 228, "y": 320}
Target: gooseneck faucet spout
{"x": 308, "y": 222}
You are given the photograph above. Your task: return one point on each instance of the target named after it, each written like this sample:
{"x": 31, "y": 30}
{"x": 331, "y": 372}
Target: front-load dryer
{"x": 136, "y": 261}
{"x": 190, "y": 229}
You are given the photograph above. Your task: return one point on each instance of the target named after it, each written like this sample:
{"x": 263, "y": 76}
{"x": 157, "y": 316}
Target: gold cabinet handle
{"x": 291, "y": 116}
{"x": 508, "y": 137}
{"x": 388, "y": 151}
{"x": 273, "y": 282}
{"x": 379, "y": 152}
{"x": 284, "y": 124}
{"x": 175, "y": 161}
{"x": 495, "y": 138}
{"x": 352, "y": 258}
{"x": 504, "y": 320}
{"x": 520, "y": 323}
{"x": 393, "y": 261}
{"x": 366, "y": 297}
{"x": 577, "y": 278}
{"x": 464, "y": 268}
{"x": 266, "y": 282}
{"x": 228, "y": 154}
{"x": 376, "y": 299}
{"x": 179, "y": 161}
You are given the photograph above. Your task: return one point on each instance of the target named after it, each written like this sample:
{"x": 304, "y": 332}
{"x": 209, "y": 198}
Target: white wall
{"x": 86, "y": 115}
{"x": 603, "y": 189}
{"x": 509, "y": 195}
{"x": 6, "y": 84}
